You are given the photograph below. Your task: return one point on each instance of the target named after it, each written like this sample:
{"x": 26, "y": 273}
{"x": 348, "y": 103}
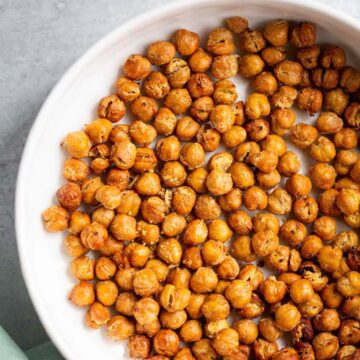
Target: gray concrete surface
{"x": 39, "y": 40}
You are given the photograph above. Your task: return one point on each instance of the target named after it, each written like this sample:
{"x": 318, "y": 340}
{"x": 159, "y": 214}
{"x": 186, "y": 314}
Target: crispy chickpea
{"x": 298, "y": 185}
{"x": 348, "y": 201}
{"x": 208, "y": 137}
{"x": 173, "y": 174}
{"x": 329, "y": 123}
{"x": 220, "y": 42}
{"x": 55, "y": 218}
{"x": 129, "y": 90}
{"x": 311, "y": 247}
{"x": 268, "y": 180}
{"x": 194, "y": 307}
{"x": 350, "y": 79}
{"x": 293, "y": 232}
{"x": 179, "y": 277}
{"x": 230, "y": 201}
{"x": 301, "y": 291}
{"x": 125, "y": 303}
{"x": 303, "y": 332}
{"x": 224, "y": 66}
{"x": 211, "y": 328}
{"x": 241, "y": 248}
{"x": 173, "y": 320}
{"x": 250, "y": 65}
{"x": 137, "y": 254}
{"x": 221, "y": 160}
{"x": 272, "y": 290}
{"x": 187, "y": 128}
{"x": 145, "y": 310}
{"x": 203, "y": 350}
{"x": 192, "y": 258}
{"x": 97, "y": 316}
{"x": 325, "y": 78}
{"x": 333, "y": 57}
{"x": 186, "y": 41}
{"x": 311, "y": 307}
{"x": 289, "y": 164}
{"x": 226, "y": 341}
{"x": 252, "y": 41}
{"x": 234, "y": 136}
{"x": 247, "y": 331}
{"x": 93, "y": 236}
{"x": 336, "y": 100}
{"x": 349, "y": 284}
{"x": 191, "y": 331}
{"x": 139, "y": 346}
{"x": 77, "y": 144}
{"x": 264, "y": 349}
{"x": 242, "y": 175}
{"x": 266, "y": 222}
{"x": 160, "y": 268}
{"x": 200, "y": 61}
{"x": 177, "y": 72}
{"x": 308, "y": 56}
{"x": 203, "y": 280}
{"x": 75, "y": 170}
{"x": 137, "y": 67}
{"x": 170, "y": 251}
{"x": 154, "y": 210}
{"x": 120, "y": 328}
{"x": 215, "y": 307}
{"x": 327, "y": 203}
{"x": 166, "y": 342}
{"x": 173, "y": 224}
{"x": 150, "y": 329}
{"x": 331, "y": 296}
{"x": 276, "y": 32}
{"x": 83, "y": 268}
{"x": 284, "y": 117}
{"x": 206, "y": 208}
{"x": 237, "y": 24}
{"x": 268, "y": 329}
{"x": 125, "y": 278}
{"x": 351, "y": 307}
{"x": 222, "y": 117}
{"x": 173, "y": 298}
{"x": 313, "y": 273}
{"x": 106, "y": 292}
{"x": 200, "y": 85}
{"x": 195, "y": 232}
{"x": 303, "y": 34}
{"x": 82, "y": 294}
{"x": 238, "y": 293}
{"x": 273, "y": 55}
{"x": 258, "y": 129}
{"x": 219, "y": 182}
{"x": 253, "y": 309}
{"x": 201, "y": 108}
{"x": 323, "y": 175}
{"x": 287, "y": 317}
{"x": 327, "y": 320}
{"x": 178, "y": 101}
{"x": 213, "y": 252}
{"x": 279, "y": 259}
{"x": 161, "y": 52}
{"x": 255, "y": 199}
{"x": 130, "y": 203}
{"x": 145, "y": 282}
{"x": 266, "y": 161}
{"x": 123, "y": 154}
{"x": 252, "y": 274}
{"x": 274, "y": 143}
{"x": 346, "y": 139}
{"x": 288, "y": 72}
{"x": 346, "y": 352}
{"x": 279, "y": 202}
{"x": 105, "y": 268}
{"x": 197, "y": 180}
{"x": 123, "y": 227}
{"x": 192, "y": 155}
{"x": 345, "y": 159}
{"x": 309, "y": 99}
{"x": 264, "y": 242}
{"x": 225, "y": 92}
{"x": 74, "y": 247}
{"x": 326, "y": 345}
{"x": 228, "y": 269}
{"x": 346, "y": 240}
{"x": 325, "y": 227}
{"x": 183, "y": 200}
{"x": 240, "y": 222}
{"x": 256, "y": 106}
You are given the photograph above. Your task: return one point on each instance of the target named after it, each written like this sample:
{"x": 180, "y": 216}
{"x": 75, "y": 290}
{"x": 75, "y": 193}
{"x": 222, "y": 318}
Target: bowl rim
{"x": 149, "y": 16}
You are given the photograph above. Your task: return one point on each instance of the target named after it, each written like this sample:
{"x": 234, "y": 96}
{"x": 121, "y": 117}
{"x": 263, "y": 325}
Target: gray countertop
{"x": 39, "y": 40}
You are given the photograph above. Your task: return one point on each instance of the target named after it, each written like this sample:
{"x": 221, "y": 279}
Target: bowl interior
{"x": 73, "y": 103}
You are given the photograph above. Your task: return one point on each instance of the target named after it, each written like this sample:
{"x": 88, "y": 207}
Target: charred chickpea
{"x": 350, "y": 79}
{"x": 177, "y": 72}
{"x": 250, "y": 65}
{"x": 200, "y": 61}
{"x": 127, "y": 90}
{"x": 220, "y": 42}
{"x": 137, "y": 67}
{"x": 224, "y": 66}
{"x": 186, "y": 41}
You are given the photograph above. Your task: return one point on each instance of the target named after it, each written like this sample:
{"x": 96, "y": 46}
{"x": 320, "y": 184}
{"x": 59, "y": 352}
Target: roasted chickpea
{"x": 129, "y": 90}
{"x": 226, "y": 341}
{"x": 75, "y": 170}
{"x": 268, "y": 329}
{"x": 97, "y": 315}
{"x": 287, "y": 317}
{"x": 224, "y": 66}
{"x": 349, "y": 284}
{"x": 303, "y": 35}
{"x": 219, "y": 182}
{"x": 225, "y": 92}
{"x": 250, "y": 65}
{"x": 241, "y": 248}
{"x": 240, "y": 222}
{"x": 201, "y": 108}
{"x": 279, "y": 202}
{"x": 177, "y": 72}
{"x": 311, "y": 307}
{"x": 166, "y": 342}
{"x": 208, "y": 137}
{"x": 323, "y": 176}
{"x": 186, "y": 41}
{"x": 264, "y": 349}
{"x": 203, "y": 280}
{"x": 150, "y": 330}
{"x": 252, "y": 41}
{"x": 268, "y": 180}
{"x": 336, "y": 100}
{"x": 137, "y": 67}
{"x": 191, "y": 331}
{"x": 200, "y": 61}
{"x": 273, "y": 55}
{"x": 346, "y": 139}
{"x": 256, "y": 106}
{"x": 253, "y": 309}
{"x": 238, "y": 293}
{"x": 345, "y": 159}
{"x": 325, "y": 227}
{"x": 298, "y": 185}
{"x": 192, "y": 258}
{"x": 220, "y": 42}
{"x": 197, "y": 180}
{"x": 178, "y": 101}
{"x": 266, "y": 222}
{"x": 184, "y": 354}
{"x": 264, "y": 242}
{"x": 120, "y": 328}
{"x": 258, "y": 129}
{"x": 288, "y": 72}
{"x": 173, "y": 174}
{"x": 192, "y": 155}
{"x": 289, "y": 164}
{"x": 325, "y": 78}
{"x": 272, "y": 290}
{"x": 247, "y": 331}
{"x": 333, "y": 57}
{"x": 327, "y": 203}
{"x": 125, "y": 278}
{"x": 215, "y": 307}
{"x": 308, "y": 56}
{"x": 309, "y": 99}
{"x": 346, "y": 352}
{"x": 311, "y": 246}
{"x": 200, "y": 85}
{"x": 139, "y": 346}
{"x": 145, "y": 282}
{"x": 173, "y": 320}
{"x": 266, "y": 161}
{"x": 213, "y": 252}
{"x": 206, "y": 208}
{"x": 55, "y": 218}
{"x": 183, "y": 200}
{"x": 327, "y": 320}
{"x": 107, "y": 292}
{"x": 326, "y": 345}
{"x": 255, "y": 198}
{"x": 170, "y": 251}
{"x": 230, "y": 201}
{"x": 146, "y": 310}
{"x": 160, "y": 268}
{"x": 350, "y": 79}
{"x": 293, "y": 232}
{"x": 187, "y": 128}
{"x": 301, "y": 291}
{"x": 125, "y": 303}
{"x": 203, "y": 350}
{"x": 74, "y": 246}
{"x": 346, "y": 240}
{"x": 351, "y": 114}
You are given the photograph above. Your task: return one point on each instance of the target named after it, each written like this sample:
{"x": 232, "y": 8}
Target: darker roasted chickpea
{"x": 253, "y": 309}
{"x": 119, "y": 328}
{"x": 303, "y": 34}
{"x": 336, "y": 100}
{"x": 347, "y": 352}
{"x": 279, "y": 202}
{"x": 327, "y": 203}
{"x": 237, "y": 24}
{"x": 293, "y": 232}
{"x": 308, "y": 56}
{"x": 203, "y": 280}
{"x": 129, "y": 90}
{"x": 326, "y": 345}
{"x": 325, "y": 227}
{"x": 258, "y": 129}
{"x": 276, "y": 32}
{"x": 325, "y": 78}
{"x": 220, "y": 42}
{"x": 346, "y": 139}
{"x": 186, "y": 41}
{"x": 144, "y": 108}
{"x": 173, "y": 174}
{"x": 250, "y": 65}
{"x": 273, "y": 55}
{"x": 265, "y": 83}
{"x": 352, "y": 114}
{"x": 313, "y": 273}
{"x": 264, "y": 349}
{"x": 333, "y": 57}
{"x": 206, "y": 208}
{"x": 186, "y": 128}
{"x": 255, "y": 198}
{"x": 327, "y": 320}
{"x": 309, "y": 99}
{"x": 201, "y": 108}
{"x": 224, "y": 66}
{"x": 350, "y": 79}
{"x": 197, "y": 180}
{"x": 288, "y": 72}
{"x": 166, "y": 342}
{"x": 252, "y": 41}
{"x": 137, "y": 67}
{"x": 200, "y": 61}
{"x": 69, "y": 196}
{"x": 177, "y": 72}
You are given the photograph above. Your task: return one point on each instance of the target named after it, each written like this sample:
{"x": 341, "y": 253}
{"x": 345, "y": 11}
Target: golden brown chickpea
{"x": 255, "y": 199}
{"x": 346, "y": 139}
{"x": 252, "y": 274}
{"x": 173, "y": 320}
{"x": 200, "y": 85}
{"x": 173, "y": 298}
{"x": 265, "y": 83}
{"x": 242, "y": 175}
{"x": 55, "y": 218}
{"x": 170, "y": 251}
{"x": 203, "y": 350}
{"x": 238, "y": 293}
{"x": 256, "y": 106}
{"x": 264, "y": 242}
{"x": 211, "y": 328}
{"x": 177, "y": 72}
{"x": 203, "y": 280}
{"x": 125, "y": 303}
{"x": 221, "y": 160}
{"x": 345, "y": 159}
{"x": 239, "y": 112}
{"x": 93, "y": 236}
{"x": 311, "y": 247}
{"x": 247, "y": 331}
{"x": 166, "y": 342}
{"x": 206, "y": 208}
{"x": 224, "y": 66}
{"x": 348, "y": 201}
{"x": 183, "y": 200}
{"x": 351, "y": 114}
{"x": 351, "y": 307}
{"x": 178, "y": 101}
{"x": 355, "y": 172}
{"x": 240, "y": 222}
{"x": 123, "y": 228}
{"x": 268, "y": 329}
{"x": 186, "y": 41}
{"x": 253, "y": 309}
{"x": 129, "y": 90}
{"x": 160, "y": 268}
{"x": 106, "y": 292}
{"x": 197, "y": 180}
{"x": 250, "y": 65}
{"x": 105, "y": 268}
{"x": 120, "y": 328}
{"x": 215, "y": 307}
{"x": 266, "y": 222}
{"x": 161, "y": 52}
{"x": 323, "y": 176}
{"x": 97, "y": 316}
{"x": 287, "y": 317}
{"x": 327, "y": 320}
{"x": 309, "y": 99}
{"x": 150, "y": 329}
{"x": 346, "y": 240}
{"x": 201, "y": 108}
{"x": 173, "y": 174}
{"x": 230, "y": 201}
{"x": 252, "y": 41}
{"x": 130, "y": 203}
{"x": 146, "y": 310}
{"x": 220, "y": 42}
{"x": 228, "y": 269}
{"x": 208, "y": 137}
{"x": 74, "y": 246}
{"x": 145, "y": 282}
{"x": 258, "y": 129}
{"x": 264, "y": 349}
{"x": 279, "y": 202}
{"x": 194, "y": 307}
{"x": 326, "y": 345}
{"x": 173, "y": 224}
{"x": 350, "y": 79}
{"x": 284, "y": 117}
{"x": 165, "y": 122}
{"x": 349, "y": 284}
{"x": 137, "y": 67}
{"x": 272, "y": 290}
{"x": 301, "y": 291}
{"x": 226, "y": 341}
{"x": 289, "y": 164}
{"x": 125, "y": 278}
{"x": 327, "y": 203}
{"x": 298, "y": 185}
{"x": 145, "y": 159}
{"x": 225, "y": 92}
{"x": 268, "y": 180}
{"x": 308, "y": 56}
{"x": 118, "y": 178}
{"x": 195, "y": 232}
{"x": 123, "y": 154}
{"x": 276, "y": 32}
{"x": 288, "y": 278}
{"x": 336, "y": 100}
{"x": 279, "y": 259}
{"x": 274, "y": 143}
{"x": 273, "y": 55}
{"x": 325, "y": 227}
{"x": 266, "y": 161}
{"x": 75, "y": 170}
{"x": 237, "y": 24}
{"x": 83, "y": 268}
{"x": 346, "y": 352}
{"x": 222, "y": 117}
{"x": 179, "y": 277}
{"x": 69, "y": 196}
{"x": 325, "y": 78}
{"x": 191, "y": 331}
{"x": 192, "y": 258}
{"x": 139, "y": 346}
{"x": 200, "y": 61}
{"x": 329, "y": 123}
{"x": 77, "y": 144}
{"x": 303, "y": 332}
{"x": 288, "y": 72}
{"x": 311, "y": 307}
{"x": 154, "y": 210}
{"x": 213, "y": 252}
{"x": 242, "y": 250}
{"x": 331, "y": 296}
{"x": 187, "y": 128}
{"x": 303, "y": 34}
{"x": 219, "y": 182}
{"x": 137, "y": 254}
{"x": 293, "y": 232}
{"x": 333, "y": 57}
{"x": 192, "y": 155}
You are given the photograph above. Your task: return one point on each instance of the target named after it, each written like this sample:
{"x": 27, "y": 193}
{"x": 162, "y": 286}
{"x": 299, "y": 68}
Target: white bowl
{"x": 72, "y": 103}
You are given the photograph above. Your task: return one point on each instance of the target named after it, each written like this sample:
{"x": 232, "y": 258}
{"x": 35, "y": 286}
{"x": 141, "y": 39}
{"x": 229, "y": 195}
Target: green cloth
{"x": 10, "y": 351}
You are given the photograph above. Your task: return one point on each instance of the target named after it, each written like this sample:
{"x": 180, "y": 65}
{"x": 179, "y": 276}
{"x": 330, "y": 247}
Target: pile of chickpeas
{"x": 165, "y": 244}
